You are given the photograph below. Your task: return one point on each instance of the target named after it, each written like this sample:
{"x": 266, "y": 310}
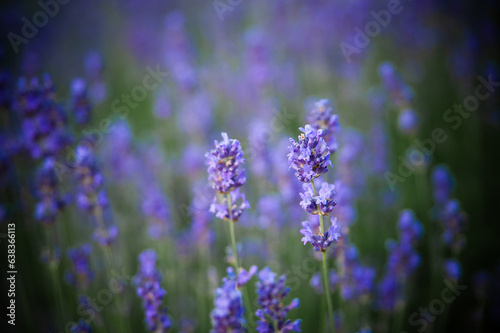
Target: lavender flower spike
{"x": 272, "y": 312}
{"x": 323, "y": 203}
{"x": 148, "y": 288}
{"x": 310, "y": 156}
{"x": 320, "y": 242}
{"x": 81, "y": 327}
{"x": 224, "y": 165}
{"x": 228, "y": 314}
{"x": 321, "y": 116}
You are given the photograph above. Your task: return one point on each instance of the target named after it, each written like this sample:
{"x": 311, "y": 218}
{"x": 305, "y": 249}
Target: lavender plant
{"x": 91, "y": 196}
{"x": 272, "y": 312}
{"x": 310, "y": 157}
{"x": 148, "y": 281}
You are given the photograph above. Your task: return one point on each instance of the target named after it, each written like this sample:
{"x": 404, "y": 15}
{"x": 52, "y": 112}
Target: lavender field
{"x": 236, "y": 166}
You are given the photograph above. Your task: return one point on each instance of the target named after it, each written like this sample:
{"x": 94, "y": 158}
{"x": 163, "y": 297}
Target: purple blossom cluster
{"x": 226, "y": 174}
{"x": 321, "y": 116}
{"x": 225, "y": 165}
{"x": 271, "y": 292}
{"x": 148, "y": 281}
{"x": 47, "y": 191}
{"x": 310, "y": 156}
{"x": 223, "y": 211}
{"x": 81, "y": 327}
{"x": 402, "y": 96}
{"x": 80, "y": 104}
{"x": 91, "y": 196}
{"x": 402, "y": 262}
{"x": 322, "y": 203}
{"x": 155, "y": 208}
{"x": 453, "y": 220}
{"x": 44, "y": 131}
{"x": 319, "y": 241}
{"x": 228, "y": 312}
{"x": 357, "y": 281}
{"x": 81, "y": 274}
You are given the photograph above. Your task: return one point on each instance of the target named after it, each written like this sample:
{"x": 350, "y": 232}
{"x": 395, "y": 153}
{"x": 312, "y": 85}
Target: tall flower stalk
{"x": 226, "y": 174}
{"x": 310, "y": 158}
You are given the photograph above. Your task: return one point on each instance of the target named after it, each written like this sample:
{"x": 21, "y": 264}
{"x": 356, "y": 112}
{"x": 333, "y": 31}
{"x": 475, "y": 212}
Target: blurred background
{"x": 145, "y": 87}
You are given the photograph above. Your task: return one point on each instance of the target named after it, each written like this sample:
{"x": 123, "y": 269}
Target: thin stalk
{"x": 246, "y": 299}
{"x": 119, "y": 306}
{"x": 331, "y": 319}
{"x": 51, "y": 239}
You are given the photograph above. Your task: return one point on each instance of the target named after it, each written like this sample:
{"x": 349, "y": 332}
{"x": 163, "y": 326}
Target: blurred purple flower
{"x": 80, "y": 104}
{"x": 228, "y": 314}
{"x": 44, "y": 131}
{"x": 148, "y": 281}
{"x": 408, "y": 121}
{"x": 272, "y": 312}
{"x": 443, "y": 184}
{"x": 321, "y": 116}
{"x": 81, "y": 327}
{"x": 81, "y": 274}
{"x": 47, "y": 191}
{"x": 452, "y": 269}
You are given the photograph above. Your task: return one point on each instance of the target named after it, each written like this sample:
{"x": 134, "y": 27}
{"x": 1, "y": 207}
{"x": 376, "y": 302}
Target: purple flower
{"x": 148, "y": 288}
{"x": 401, "y": 94}
{"x": 225, "y": 170}
{"x": 47, "y": 192}
{"x": 272, "y": 314}
{"x": 81, "y": 327}
{"x": 321, "y": 116}
{"x": 243, "y": 275}
{"x": 443, "y": 184}
{"x": 269, "y": 208}
{"x": 155, "y": 208}
{"x": 408, "y": 121}
{"x": 228, "y": 314}
{"x": 81, "y": 274}
{"x": 320, "y": 242}
{"x": 389, "y": 291}
{"x": 44, "y": 131}
{"x": 147, "y": 264}
{"x": 453, "y": 220}
{"x": 80, "y": 104}
{"x": 323, "y": 203}
{"x": 90, "y": 194}
{"x": 410, "y": 227}
{"x": 403, "y": 259}
{"x": 402, "y": 262}
{"x": 310, "y": 156}
{"x": 316, "y": 282}
{"x": 105, "y": 237}
{"x": 238, "y": 204}
{"x": 452, "y": 269}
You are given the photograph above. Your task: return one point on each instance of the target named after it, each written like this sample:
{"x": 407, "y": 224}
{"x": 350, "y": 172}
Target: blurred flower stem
{"x": 331, "y": 320}
{"x": 246, "y": 299}
{"x": 51, "y": 239}
{"x": 109, "y": 263}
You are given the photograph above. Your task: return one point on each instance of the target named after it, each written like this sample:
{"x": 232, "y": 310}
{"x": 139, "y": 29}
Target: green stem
{"x": 51, "y": 240}
{"x": 331, "y": 319}
{"x": 246, "y": 299}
